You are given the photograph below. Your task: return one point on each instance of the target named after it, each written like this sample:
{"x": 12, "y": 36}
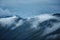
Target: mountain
{"x": 41, "y": 27}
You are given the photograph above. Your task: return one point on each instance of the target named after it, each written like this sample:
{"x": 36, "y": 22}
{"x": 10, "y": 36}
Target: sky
{"x": 28, "y": 8}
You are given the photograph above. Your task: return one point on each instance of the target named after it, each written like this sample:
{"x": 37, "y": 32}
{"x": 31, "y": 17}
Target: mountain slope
{"x": 41, "y": 27}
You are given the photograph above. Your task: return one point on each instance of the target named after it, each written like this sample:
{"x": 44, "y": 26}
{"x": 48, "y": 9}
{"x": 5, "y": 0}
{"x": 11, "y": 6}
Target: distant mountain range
{"x": 41, "y": 27}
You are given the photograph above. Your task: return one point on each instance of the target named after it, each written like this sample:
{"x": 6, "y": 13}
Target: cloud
{"x": 36, "y": 20}
{"x": 6, "y": 12}
{"x": 48, "y": 30}
{"x": 41, "y": 18}
{"x": 8, "y": 22}
{"x": 2, "y": 12}
{"x": 19, "y": 23}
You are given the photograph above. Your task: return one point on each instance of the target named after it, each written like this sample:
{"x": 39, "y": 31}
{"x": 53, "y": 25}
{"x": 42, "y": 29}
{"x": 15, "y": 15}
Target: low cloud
{"x": 6, "y": 12}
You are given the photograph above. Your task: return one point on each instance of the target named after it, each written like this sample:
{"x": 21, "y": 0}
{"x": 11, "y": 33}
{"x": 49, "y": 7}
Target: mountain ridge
{"x": 42, "y": 27}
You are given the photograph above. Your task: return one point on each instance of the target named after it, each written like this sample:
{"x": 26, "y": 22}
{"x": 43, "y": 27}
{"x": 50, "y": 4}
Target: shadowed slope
{"x": 42, "y": 27}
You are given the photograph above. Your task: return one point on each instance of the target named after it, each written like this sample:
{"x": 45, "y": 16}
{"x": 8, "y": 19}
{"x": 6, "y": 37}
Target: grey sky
{"x": 27, "y": 8}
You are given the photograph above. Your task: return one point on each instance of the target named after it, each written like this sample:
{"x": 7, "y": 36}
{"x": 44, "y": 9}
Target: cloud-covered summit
{"x": 41, "y": 27}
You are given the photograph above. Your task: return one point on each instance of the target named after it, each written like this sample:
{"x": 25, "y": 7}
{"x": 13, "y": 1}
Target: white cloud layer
{"x": 7, "y": 22}
{"x": 2, "y": 12}
{"x": 6, "y": 12}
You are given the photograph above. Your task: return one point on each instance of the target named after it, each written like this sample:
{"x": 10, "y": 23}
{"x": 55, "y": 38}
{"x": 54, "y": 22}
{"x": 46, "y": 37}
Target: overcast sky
{"x": 27, "y": 8}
